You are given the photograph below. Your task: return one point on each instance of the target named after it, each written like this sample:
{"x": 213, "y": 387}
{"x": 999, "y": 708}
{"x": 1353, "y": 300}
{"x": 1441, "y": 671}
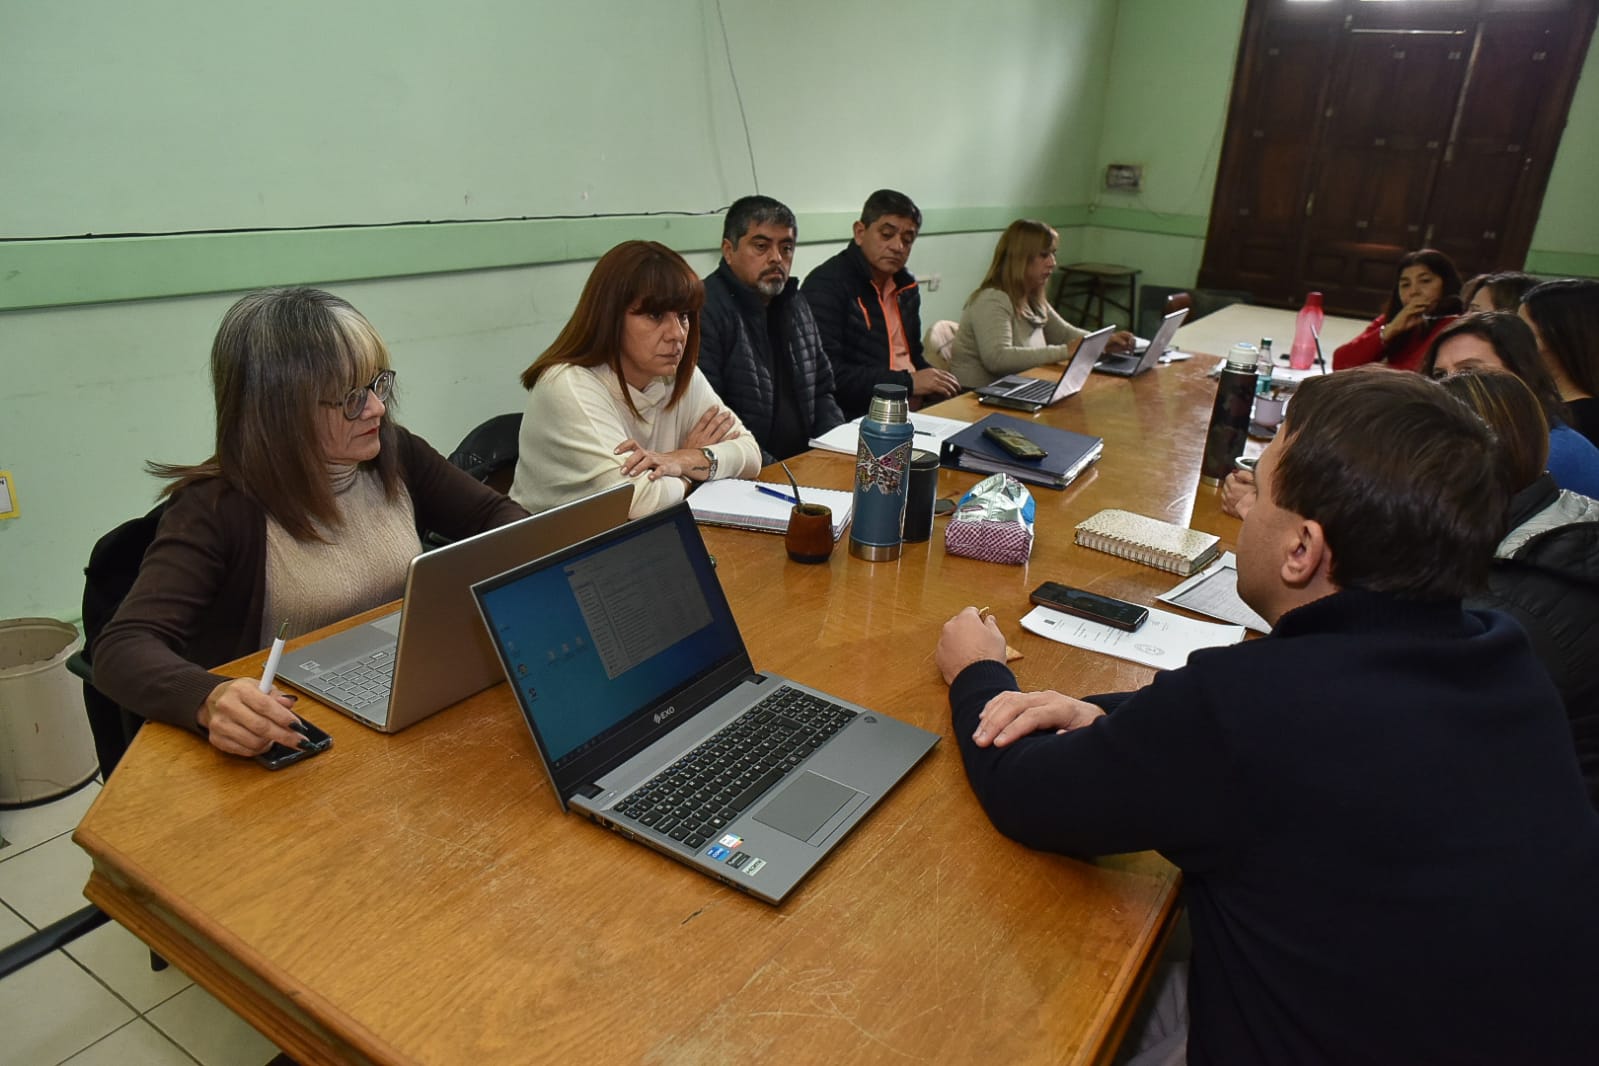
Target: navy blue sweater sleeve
{"x": 1153, "y": 775}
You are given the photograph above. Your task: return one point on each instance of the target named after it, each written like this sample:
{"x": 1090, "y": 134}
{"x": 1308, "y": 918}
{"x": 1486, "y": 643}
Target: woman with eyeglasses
{"x": 307, "y": 513}
{"x": 617, "y": 397}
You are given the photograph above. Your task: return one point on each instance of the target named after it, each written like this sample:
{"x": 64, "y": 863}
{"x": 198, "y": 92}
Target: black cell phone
{"x": 277, "y": 756}
{"x": 1090, "y": 605}
{"x": 1014, "y": 443}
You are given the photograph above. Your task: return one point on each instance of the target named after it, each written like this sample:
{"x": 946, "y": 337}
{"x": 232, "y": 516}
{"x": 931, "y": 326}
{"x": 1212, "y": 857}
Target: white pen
{"x": 274, "y": 657}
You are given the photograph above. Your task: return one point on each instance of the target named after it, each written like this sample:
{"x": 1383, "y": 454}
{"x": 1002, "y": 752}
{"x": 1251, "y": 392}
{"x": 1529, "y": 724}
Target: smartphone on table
{"x": 1014, "y": 443}
{"x": 1090, "y": 605}
{"x": 277, "y": 756}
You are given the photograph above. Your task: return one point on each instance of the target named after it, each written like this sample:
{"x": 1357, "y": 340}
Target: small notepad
{"x": 1148, "y": 540}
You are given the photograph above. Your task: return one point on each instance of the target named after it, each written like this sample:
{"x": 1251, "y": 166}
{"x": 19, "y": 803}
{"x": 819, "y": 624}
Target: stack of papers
{"x": 738, "y": 503}
{"x": 1164, "y": 641}
{"x": 1214, "y": 591}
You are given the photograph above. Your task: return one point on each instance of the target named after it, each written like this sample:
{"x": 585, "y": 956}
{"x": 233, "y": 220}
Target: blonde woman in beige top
{"x": 1007, "y": 325}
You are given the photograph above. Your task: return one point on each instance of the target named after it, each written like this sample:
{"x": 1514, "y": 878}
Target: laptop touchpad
{"x": 806, "y": 805}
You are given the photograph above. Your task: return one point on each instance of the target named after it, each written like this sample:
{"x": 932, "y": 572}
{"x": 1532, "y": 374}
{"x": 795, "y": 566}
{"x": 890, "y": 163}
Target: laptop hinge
{"x": 589, "y": 791}
{"x": 757, "y": 679}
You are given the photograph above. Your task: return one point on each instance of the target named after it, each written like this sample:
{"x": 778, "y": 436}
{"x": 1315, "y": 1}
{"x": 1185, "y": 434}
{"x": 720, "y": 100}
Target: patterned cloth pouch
{"x": 993, "y": 522}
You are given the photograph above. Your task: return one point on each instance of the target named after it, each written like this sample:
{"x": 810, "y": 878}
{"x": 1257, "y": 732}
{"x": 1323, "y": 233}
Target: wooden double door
{"x": 1361, "y": 130}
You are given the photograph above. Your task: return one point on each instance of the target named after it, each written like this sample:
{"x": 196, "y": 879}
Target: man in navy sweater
{"x": 868, "y": 309}
{"x": 1388, "y": 855}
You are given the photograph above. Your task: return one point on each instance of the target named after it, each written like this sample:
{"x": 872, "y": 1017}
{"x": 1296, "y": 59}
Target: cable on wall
{"x": 749, "y": 148}
{"x": 708, "y": 212}
{"x": 727, "y": 50}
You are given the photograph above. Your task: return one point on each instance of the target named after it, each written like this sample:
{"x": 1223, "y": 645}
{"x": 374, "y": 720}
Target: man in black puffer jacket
{"x": 869, "y": 309}
{"x": 759, "y": 346}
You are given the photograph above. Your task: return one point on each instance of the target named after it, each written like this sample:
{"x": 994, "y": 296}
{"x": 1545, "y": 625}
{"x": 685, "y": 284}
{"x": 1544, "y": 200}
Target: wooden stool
{"x": 1086, "y": 289}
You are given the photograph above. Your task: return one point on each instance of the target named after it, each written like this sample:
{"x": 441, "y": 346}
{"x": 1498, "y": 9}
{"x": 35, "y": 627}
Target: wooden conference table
{"x": 421, "y": 898}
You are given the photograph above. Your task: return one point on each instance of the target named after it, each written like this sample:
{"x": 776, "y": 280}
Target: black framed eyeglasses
{"x": 354, "y": 401}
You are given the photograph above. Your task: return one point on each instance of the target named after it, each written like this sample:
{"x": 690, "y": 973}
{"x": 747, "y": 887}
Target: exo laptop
{"x": 651, "y": 720}
{"x": 396, "y": 670}
{"x": 1022, "y": 393}
{"x": 1132, "y": 365}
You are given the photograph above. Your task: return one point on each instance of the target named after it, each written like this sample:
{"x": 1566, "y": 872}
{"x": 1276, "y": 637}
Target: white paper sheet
{"x": 931, "y": 431}
{"x": 1164, "y": 641}
{"x": 1214, "y": 591}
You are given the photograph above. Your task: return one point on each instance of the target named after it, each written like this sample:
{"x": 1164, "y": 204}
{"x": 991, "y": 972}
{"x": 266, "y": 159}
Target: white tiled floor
{"x": 97, "y": 1002}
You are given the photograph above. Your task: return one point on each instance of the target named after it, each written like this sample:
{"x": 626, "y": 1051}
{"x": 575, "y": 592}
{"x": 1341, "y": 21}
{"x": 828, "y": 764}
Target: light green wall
{"x": 1166, "y": 109}
{"x": 192, "y": 115}
{"x": 189, "y": 115}
{"x": 1566, "y": 240}
{"x": 183, "y": 115}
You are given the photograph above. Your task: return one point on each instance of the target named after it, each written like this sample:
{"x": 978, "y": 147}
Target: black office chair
{"x": 113, "y": 566}
{"x": 1155, "y": 301}
{"x": 488, "y": 453}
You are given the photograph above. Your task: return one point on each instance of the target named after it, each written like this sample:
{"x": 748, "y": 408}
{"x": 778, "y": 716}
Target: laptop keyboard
{"x": 1035, "y": 392}
{"x": 694, "y": 798}
{"x": 359, "y": 684}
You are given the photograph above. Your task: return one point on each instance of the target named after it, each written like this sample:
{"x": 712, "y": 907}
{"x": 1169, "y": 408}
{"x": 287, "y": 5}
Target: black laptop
{"x": 1128, "y": 366}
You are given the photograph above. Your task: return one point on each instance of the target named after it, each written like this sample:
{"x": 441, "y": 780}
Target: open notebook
{"x": 738, "y": 503}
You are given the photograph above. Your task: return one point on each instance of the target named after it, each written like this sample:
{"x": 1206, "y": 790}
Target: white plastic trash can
{"x": 46, "y": 748}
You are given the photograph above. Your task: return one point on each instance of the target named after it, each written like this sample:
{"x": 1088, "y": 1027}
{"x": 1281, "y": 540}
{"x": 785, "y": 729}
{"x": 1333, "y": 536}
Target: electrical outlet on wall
{"x": 1125, "y": 177}
{"x": 930, "y": 282}
{"x": 8, "y": 496}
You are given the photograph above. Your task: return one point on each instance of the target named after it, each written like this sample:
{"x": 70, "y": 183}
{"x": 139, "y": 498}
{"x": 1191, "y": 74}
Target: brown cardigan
{"x": 198, "y": 599}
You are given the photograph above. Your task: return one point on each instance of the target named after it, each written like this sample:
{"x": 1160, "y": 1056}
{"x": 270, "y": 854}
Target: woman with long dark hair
{"x": 1564, "y": 316}
{"x": 1498, "y": 340}
{"x": 1425, "y": 299}
{"x": 617, "y": 398}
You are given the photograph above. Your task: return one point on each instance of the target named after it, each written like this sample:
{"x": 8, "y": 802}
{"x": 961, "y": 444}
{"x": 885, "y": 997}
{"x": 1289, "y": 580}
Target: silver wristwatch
{"x": 710, "y": 457}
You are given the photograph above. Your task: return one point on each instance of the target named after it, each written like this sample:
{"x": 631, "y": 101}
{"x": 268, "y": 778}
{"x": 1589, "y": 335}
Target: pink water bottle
{"x": 1307, "y": 327}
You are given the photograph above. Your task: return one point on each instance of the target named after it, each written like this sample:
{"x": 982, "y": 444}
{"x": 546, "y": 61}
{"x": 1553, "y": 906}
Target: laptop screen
{"x": 594, "y": 637}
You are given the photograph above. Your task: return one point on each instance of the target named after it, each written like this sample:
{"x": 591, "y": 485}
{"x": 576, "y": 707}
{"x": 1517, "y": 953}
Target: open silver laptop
{"x": 651, "y": 720}
{"x": 396, "y": 670}
{"x": 1022, "y": 393}
{"x": 1132, "y": 365}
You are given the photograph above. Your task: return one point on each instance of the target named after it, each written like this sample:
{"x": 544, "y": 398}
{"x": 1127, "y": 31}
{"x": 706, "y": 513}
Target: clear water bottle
{"x": 1264, "y": 365}
{"x": 882, "y": 476}
{"x": 1229, "y": 418}
{"x": 1307, "y": 327}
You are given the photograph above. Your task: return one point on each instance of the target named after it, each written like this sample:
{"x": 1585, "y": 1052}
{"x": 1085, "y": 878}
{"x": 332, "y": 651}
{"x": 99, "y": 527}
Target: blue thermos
{"x": 882, "y": 476}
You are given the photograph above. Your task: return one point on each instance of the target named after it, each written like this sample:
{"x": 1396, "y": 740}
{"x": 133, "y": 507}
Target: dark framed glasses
{"x": 354, "y": 401}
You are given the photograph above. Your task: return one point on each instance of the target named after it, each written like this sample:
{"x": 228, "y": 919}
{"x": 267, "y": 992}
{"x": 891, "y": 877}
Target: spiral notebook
{"x": 1148, "y": 540}
{"x": 739, "y": 504}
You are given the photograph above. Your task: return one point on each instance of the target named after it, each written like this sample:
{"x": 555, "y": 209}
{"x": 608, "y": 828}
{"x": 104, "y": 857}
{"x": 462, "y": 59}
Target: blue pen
{"x": 785, "y": 497}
